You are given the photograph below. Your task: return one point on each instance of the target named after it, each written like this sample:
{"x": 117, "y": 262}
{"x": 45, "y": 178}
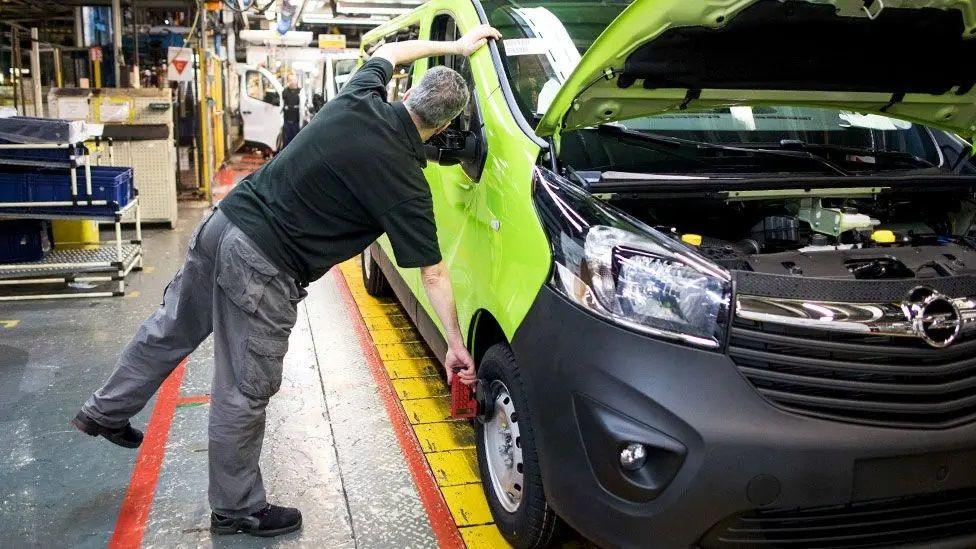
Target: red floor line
{"x": 441, "y": 520}
{"x": 131, "y": 522}
{"x": 193, "y": 399}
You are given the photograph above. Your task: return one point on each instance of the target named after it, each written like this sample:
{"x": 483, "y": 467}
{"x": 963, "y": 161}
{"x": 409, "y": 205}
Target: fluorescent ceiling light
{"x": 328, "y": 19}
{"x": 271, "y": 37}
{"x": 369, "y": 10}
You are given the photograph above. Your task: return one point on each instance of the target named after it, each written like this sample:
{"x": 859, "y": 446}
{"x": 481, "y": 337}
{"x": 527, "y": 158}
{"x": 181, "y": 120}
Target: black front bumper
{"x": 717, "y": 448}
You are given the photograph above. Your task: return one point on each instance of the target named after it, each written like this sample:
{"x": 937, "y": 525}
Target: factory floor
{"x": 357, "y": 438}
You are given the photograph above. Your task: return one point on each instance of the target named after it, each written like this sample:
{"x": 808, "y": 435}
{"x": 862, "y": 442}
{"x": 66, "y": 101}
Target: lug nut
{"x": 633, "y": 456}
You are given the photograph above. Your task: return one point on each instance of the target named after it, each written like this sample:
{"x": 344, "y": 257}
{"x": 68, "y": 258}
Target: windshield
{"x": 544, "y": 41}
{"x": 754, "y": 140}
{"x": 828, "y": 132}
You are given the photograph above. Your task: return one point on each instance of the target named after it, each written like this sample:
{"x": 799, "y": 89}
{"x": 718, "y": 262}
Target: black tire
{"x": 373, "y": 278}
{"x": 533, "y": 524}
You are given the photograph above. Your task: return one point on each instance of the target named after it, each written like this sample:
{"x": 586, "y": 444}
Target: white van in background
{"x": 337, "y": 69}
{"x": 261, "y": 107}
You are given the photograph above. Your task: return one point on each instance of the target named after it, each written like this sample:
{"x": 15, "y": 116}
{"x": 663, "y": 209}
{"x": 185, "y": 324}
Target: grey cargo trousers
{"x": 227, "y": 287}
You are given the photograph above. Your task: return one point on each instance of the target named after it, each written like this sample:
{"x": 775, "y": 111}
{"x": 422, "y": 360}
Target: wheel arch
{"x": 484, "y": 332}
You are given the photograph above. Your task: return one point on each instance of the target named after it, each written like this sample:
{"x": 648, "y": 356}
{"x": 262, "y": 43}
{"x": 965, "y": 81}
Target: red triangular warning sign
{"x": 179, "y": 65}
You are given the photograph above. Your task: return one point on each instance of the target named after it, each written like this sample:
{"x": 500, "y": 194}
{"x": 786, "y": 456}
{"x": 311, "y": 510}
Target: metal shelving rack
{"x": 109, "y": 262}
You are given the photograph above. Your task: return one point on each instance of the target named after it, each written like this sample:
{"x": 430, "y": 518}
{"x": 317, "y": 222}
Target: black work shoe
{"x": 125, "y": 436}
{"x": 268, "y": 522}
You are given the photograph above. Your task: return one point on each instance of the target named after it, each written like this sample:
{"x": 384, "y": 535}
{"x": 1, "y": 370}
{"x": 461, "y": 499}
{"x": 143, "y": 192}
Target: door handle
{"x": 245, "y": 112}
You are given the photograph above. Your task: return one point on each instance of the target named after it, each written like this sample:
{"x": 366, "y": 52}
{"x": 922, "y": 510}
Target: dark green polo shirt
{"x": 353, "y": 173}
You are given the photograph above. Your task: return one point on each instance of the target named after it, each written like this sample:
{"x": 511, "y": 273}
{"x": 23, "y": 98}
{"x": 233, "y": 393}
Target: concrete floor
{"x": 330, "y": 448}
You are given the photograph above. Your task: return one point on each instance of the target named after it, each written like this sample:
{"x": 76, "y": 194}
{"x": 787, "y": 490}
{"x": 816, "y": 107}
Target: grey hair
{"x": 439, "y": 97}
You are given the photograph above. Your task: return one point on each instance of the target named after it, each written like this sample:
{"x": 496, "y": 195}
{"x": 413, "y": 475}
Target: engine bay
{"x": 867, "y": 233}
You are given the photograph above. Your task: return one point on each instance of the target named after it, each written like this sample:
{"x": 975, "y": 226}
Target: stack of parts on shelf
{"x": 46, "y": 173}
{"x": 26, "y": 129}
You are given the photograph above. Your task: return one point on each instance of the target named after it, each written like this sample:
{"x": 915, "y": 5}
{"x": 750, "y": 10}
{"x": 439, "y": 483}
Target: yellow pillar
{"x": 205, "y": 127}
{"x": 217, "y": 92}
{"x": 97, "y": 74}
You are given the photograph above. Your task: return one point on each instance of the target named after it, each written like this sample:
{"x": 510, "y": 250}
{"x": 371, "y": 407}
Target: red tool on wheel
{"x": 464, "y": 404}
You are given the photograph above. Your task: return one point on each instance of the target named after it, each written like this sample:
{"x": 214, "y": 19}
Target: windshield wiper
{"x": 679, "y": 142}
{"x": 796, "y": 144}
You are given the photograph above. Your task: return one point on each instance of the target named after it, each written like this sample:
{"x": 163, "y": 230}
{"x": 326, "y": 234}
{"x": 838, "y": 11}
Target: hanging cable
{"x": 193, "y": 27}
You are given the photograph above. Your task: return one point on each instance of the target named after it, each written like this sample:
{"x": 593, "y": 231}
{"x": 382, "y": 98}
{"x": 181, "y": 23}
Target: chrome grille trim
{"x": 858, "y": 363}
{"x": 891, "y": 319}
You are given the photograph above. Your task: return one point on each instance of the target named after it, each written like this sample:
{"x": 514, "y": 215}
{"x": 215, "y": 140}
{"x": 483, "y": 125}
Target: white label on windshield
{"x": 525, "y": 46}
{"x": 744, "y": 116}
{"x": 872, "y": 121}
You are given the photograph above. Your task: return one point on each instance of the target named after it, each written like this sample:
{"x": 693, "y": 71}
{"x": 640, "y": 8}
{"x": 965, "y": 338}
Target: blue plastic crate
{"x": 13, "y": 185}
{"x": 108, "y": 183}
{"x": 22, "y": 240}
{"x": 112, "y": 184}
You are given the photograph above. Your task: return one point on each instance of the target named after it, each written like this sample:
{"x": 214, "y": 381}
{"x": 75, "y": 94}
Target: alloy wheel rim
{"x": 503, "y": 451}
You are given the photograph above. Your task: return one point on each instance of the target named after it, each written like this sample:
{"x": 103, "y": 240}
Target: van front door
{"x": 261, "y": 110}
{"x": 463, "y": 223}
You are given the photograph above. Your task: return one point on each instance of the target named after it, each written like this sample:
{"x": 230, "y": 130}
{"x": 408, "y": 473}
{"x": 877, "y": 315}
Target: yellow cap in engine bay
{"x": 693, "y": 239}
{"x": 883, "y": 237}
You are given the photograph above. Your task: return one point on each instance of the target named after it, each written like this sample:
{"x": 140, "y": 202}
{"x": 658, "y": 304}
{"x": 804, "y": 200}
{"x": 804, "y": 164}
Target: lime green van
{"x": 716, "y": 262}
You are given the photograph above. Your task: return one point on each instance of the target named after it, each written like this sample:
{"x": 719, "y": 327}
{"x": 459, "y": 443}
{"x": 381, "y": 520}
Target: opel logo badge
{"x": 933, "y": 317}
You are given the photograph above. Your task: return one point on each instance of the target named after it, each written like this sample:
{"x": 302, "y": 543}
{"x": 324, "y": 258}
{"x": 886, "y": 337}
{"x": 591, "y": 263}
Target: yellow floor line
{"x": 448, "y": 445}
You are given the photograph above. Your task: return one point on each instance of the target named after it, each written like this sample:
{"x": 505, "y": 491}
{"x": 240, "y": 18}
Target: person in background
{"x": 291, "y": 99}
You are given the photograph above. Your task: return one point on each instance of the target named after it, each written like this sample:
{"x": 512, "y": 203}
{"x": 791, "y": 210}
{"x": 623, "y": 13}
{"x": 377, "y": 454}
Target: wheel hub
{"x": 503, "y": 450}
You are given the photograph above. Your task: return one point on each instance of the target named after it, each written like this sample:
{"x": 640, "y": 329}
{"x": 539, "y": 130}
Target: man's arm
{"x": 404, "y": 53}
{"x": 437, "y": 283}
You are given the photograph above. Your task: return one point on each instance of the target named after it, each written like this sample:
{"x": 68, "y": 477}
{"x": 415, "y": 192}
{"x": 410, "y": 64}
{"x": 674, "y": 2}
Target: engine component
{"x": 827, "y": 248}
{"x": 748, "y": 246}
{"x": 878, "y": 268}
{"x": 883, "y": 237}
{"x": 692, "y": 239}
{"x": 730, "y": 256}
{"x": 831, "y": 221}
{"x": 819, "y": 240}
{"x": 776, "y": 232}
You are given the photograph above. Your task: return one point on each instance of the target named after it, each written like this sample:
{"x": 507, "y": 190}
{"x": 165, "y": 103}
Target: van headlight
{"x": 628, "y": 273}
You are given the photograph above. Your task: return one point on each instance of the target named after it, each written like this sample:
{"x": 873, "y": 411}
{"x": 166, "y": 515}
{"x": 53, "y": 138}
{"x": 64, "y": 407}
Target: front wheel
{"x": 373, "y": 278}
{"x": 507, "y": 457}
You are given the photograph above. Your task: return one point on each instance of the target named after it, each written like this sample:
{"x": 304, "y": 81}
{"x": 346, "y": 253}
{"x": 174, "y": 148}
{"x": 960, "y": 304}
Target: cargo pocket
{"x": 261, "y": 375}
{"x": 244, "y": 274}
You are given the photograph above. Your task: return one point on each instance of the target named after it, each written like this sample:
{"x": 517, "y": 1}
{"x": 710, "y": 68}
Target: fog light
{"x": 633, "y": 456}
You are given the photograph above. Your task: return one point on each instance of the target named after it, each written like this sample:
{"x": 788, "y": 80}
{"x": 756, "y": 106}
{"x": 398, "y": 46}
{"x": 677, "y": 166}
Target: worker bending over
{"x": 351, "y": 175}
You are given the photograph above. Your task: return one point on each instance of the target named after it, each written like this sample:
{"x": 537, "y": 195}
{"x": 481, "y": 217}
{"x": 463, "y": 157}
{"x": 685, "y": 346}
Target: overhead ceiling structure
{"x": 55, "y": 18}
{"x": 355, "y": 12}
{"x": 32, "y": 11}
